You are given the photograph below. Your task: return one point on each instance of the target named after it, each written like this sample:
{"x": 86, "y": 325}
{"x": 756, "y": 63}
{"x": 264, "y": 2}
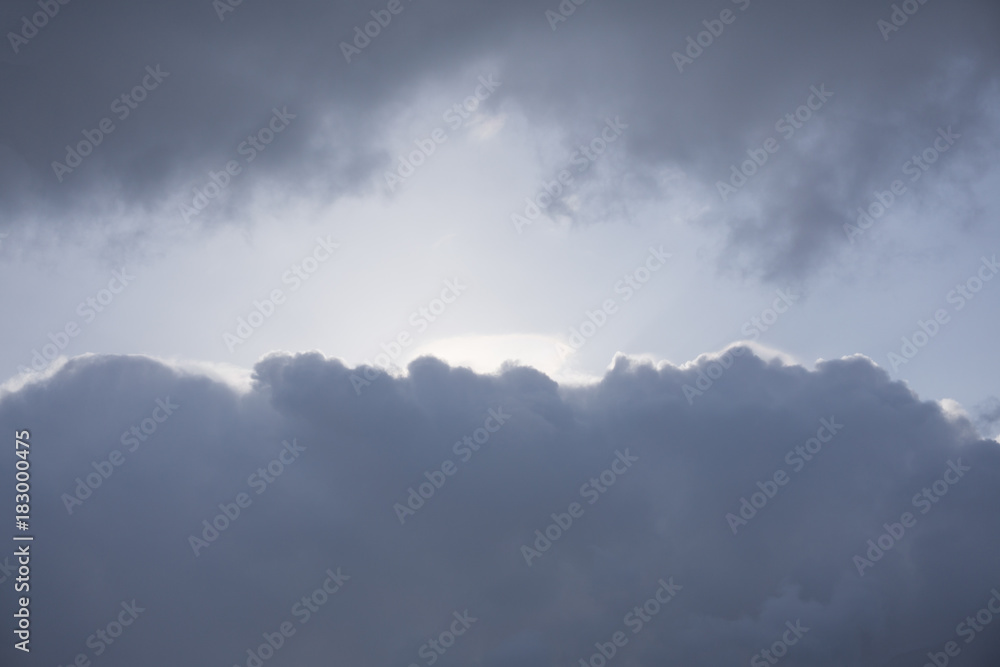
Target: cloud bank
{"x": 703, "y": 89}
{"x": 699, "y": 515}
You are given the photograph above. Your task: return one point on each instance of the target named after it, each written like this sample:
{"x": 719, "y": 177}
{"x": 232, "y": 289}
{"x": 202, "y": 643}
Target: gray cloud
{"x": 332, "y": 506}
{"x": 607, "y": 59}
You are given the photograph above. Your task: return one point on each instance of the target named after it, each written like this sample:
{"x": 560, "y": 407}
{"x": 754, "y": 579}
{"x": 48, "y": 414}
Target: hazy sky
{"x": 362, "y": 227}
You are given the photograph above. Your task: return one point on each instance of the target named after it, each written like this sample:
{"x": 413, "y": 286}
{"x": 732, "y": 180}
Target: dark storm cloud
{"x": 654, "y": 476}
{"x": 225, "y": 76}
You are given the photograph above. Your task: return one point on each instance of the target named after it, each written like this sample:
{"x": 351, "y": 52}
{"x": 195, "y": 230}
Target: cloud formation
{"x": 542, "y": 524}
{"x": 701, "y": 88}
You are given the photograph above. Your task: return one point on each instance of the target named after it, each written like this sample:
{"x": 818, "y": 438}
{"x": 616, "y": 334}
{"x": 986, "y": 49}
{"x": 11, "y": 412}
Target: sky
{"x": 472, "y": 263}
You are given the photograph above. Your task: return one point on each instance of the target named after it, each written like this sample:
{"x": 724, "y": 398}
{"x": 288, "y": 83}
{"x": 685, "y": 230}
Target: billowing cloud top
{"x": 117, "y": 114}
{"x": 734, "y": 510}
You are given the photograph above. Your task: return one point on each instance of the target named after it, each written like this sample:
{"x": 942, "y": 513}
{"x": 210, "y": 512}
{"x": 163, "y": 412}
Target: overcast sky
{"x": 670, "y": 241}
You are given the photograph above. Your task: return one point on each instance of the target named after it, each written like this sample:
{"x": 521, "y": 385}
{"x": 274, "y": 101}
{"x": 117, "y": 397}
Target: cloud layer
{"x": 645, "y": 473}
{"x": 697, "y": 116}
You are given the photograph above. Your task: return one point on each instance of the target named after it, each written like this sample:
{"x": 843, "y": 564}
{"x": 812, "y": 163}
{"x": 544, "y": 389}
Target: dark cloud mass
{"x": 657, "y": 526}
{"x": 735, "y": 510}
{"x": 890, "y": 96}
